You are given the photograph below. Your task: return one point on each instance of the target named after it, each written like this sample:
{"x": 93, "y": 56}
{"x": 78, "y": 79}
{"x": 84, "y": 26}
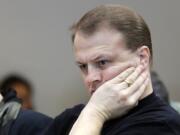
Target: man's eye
{"x": 83, "y": 67}
{"x": 102, "y": 63}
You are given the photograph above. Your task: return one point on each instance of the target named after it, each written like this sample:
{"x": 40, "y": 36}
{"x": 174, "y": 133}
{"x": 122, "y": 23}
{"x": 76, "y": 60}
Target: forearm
{"x": 88, "y": 123}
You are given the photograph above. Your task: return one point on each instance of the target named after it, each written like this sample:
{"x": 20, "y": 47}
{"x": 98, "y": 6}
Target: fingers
{"x": 131, "y": 78}
{"x": 138, "y": 83}
{"x": 141, "y": 90}
{"x": 137, "y": 95}
{"x": 121, "y": 86}
{"x": 127, "y": 78}
{"x": 132, "y": 95}
{"x": 122, "y": 76}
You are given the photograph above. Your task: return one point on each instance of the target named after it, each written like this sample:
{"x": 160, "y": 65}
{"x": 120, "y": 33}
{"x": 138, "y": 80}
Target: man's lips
{"x": 92, "y": 91}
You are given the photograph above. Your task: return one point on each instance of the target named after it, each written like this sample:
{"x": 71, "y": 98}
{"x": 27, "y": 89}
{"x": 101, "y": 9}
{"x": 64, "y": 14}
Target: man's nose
{"x": 93, "y": 78}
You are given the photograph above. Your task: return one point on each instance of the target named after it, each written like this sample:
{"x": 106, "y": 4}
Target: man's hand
{"x": 119, "y": 95}
{"x": 113, "y": 99}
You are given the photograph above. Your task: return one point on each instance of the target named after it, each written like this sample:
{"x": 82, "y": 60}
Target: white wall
{"x": 35, "y": 41}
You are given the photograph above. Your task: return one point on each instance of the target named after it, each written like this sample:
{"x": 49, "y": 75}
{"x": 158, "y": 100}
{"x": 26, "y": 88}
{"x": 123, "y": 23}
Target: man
{"x": 14, "y": 120}
{"x": 107, "y": 41}
{"x": 22, "y": 86}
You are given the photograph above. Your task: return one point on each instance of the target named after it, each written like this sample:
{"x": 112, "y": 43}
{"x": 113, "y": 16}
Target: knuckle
{"x": 121, "y": 78}
{"x": 141, "y": 78}
{"x": 145, "y": 75}
{"x": 123, "y": 95}
{"x": 131, "y": 102}
{"x": 139, "y": 70}
{"x": 124, "y": 85}
{"x": 130, "y": 70}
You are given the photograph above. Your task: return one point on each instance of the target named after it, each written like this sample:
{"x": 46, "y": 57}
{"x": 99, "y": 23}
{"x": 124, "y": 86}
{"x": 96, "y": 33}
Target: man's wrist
{"x": 94, "y": 113}
{"x": 88, "y": 120}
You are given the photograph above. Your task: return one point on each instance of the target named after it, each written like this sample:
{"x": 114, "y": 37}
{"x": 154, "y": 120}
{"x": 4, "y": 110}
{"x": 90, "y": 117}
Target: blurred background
{"x": 35, "y": 42}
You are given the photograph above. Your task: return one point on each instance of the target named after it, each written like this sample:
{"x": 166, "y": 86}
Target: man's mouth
{"x": 92, "y": 91}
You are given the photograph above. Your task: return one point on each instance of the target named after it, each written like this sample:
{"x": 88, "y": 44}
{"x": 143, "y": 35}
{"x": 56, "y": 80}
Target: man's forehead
{"x": 95, "y": 55}
{"x": 104, "y": 38}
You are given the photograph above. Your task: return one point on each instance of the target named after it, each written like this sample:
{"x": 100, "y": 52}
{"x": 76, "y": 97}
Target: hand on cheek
{"x": 116, "y": 97}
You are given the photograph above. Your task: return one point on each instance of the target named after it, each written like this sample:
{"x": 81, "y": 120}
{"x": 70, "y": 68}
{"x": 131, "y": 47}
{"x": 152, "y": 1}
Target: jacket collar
{"x": 9, "y": 108}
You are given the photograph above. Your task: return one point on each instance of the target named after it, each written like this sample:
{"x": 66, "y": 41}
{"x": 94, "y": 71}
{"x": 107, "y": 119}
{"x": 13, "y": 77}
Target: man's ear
{"x": 144, "y": 55}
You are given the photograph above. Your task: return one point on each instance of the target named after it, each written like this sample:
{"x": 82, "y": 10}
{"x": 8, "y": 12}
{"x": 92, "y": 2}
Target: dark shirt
{"x": 29, "y": 123}
{"x": 151, "y": 117}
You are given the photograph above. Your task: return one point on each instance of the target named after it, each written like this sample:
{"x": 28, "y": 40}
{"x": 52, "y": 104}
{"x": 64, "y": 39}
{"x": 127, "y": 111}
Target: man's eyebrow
{"x": 79, "y": 63}
{"x": 101, "y": 56}
{"x": 96, "y": 57}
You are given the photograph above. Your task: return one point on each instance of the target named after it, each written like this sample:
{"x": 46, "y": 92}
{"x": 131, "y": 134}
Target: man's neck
{"x": 147, "y": 91}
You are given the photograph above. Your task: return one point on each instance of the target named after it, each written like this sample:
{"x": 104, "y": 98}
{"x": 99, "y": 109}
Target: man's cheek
{"x": 117, "y": 69}
{"x": 112, "y": 72}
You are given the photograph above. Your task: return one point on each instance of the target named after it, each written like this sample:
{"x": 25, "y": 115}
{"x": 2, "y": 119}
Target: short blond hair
{"x": 120, "y": 18}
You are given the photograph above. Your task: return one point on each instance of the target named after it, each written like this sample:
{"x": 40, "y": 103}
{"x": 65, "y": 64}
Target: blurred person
{"x": 14, "y": 120}
{"x": 107, "y": 41}
{"x": 22, "y": 86}
{"x": 1, "y": 98}
{"x": 161, "y": 91}
{"x": 159, "y": 87}
{"x": 175, "y": 105}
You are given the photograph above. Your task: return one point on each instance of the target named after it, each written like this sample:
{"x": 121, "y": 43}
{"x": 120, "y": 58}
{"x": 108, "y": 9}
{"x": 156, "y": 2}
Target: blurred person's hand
{"x": 1, "y": 98}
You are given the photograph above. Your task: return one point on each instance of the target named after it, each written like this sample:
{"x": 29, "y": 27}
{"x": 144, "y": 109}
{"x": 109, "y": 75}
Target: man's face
{"x": 102, "y": 56}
